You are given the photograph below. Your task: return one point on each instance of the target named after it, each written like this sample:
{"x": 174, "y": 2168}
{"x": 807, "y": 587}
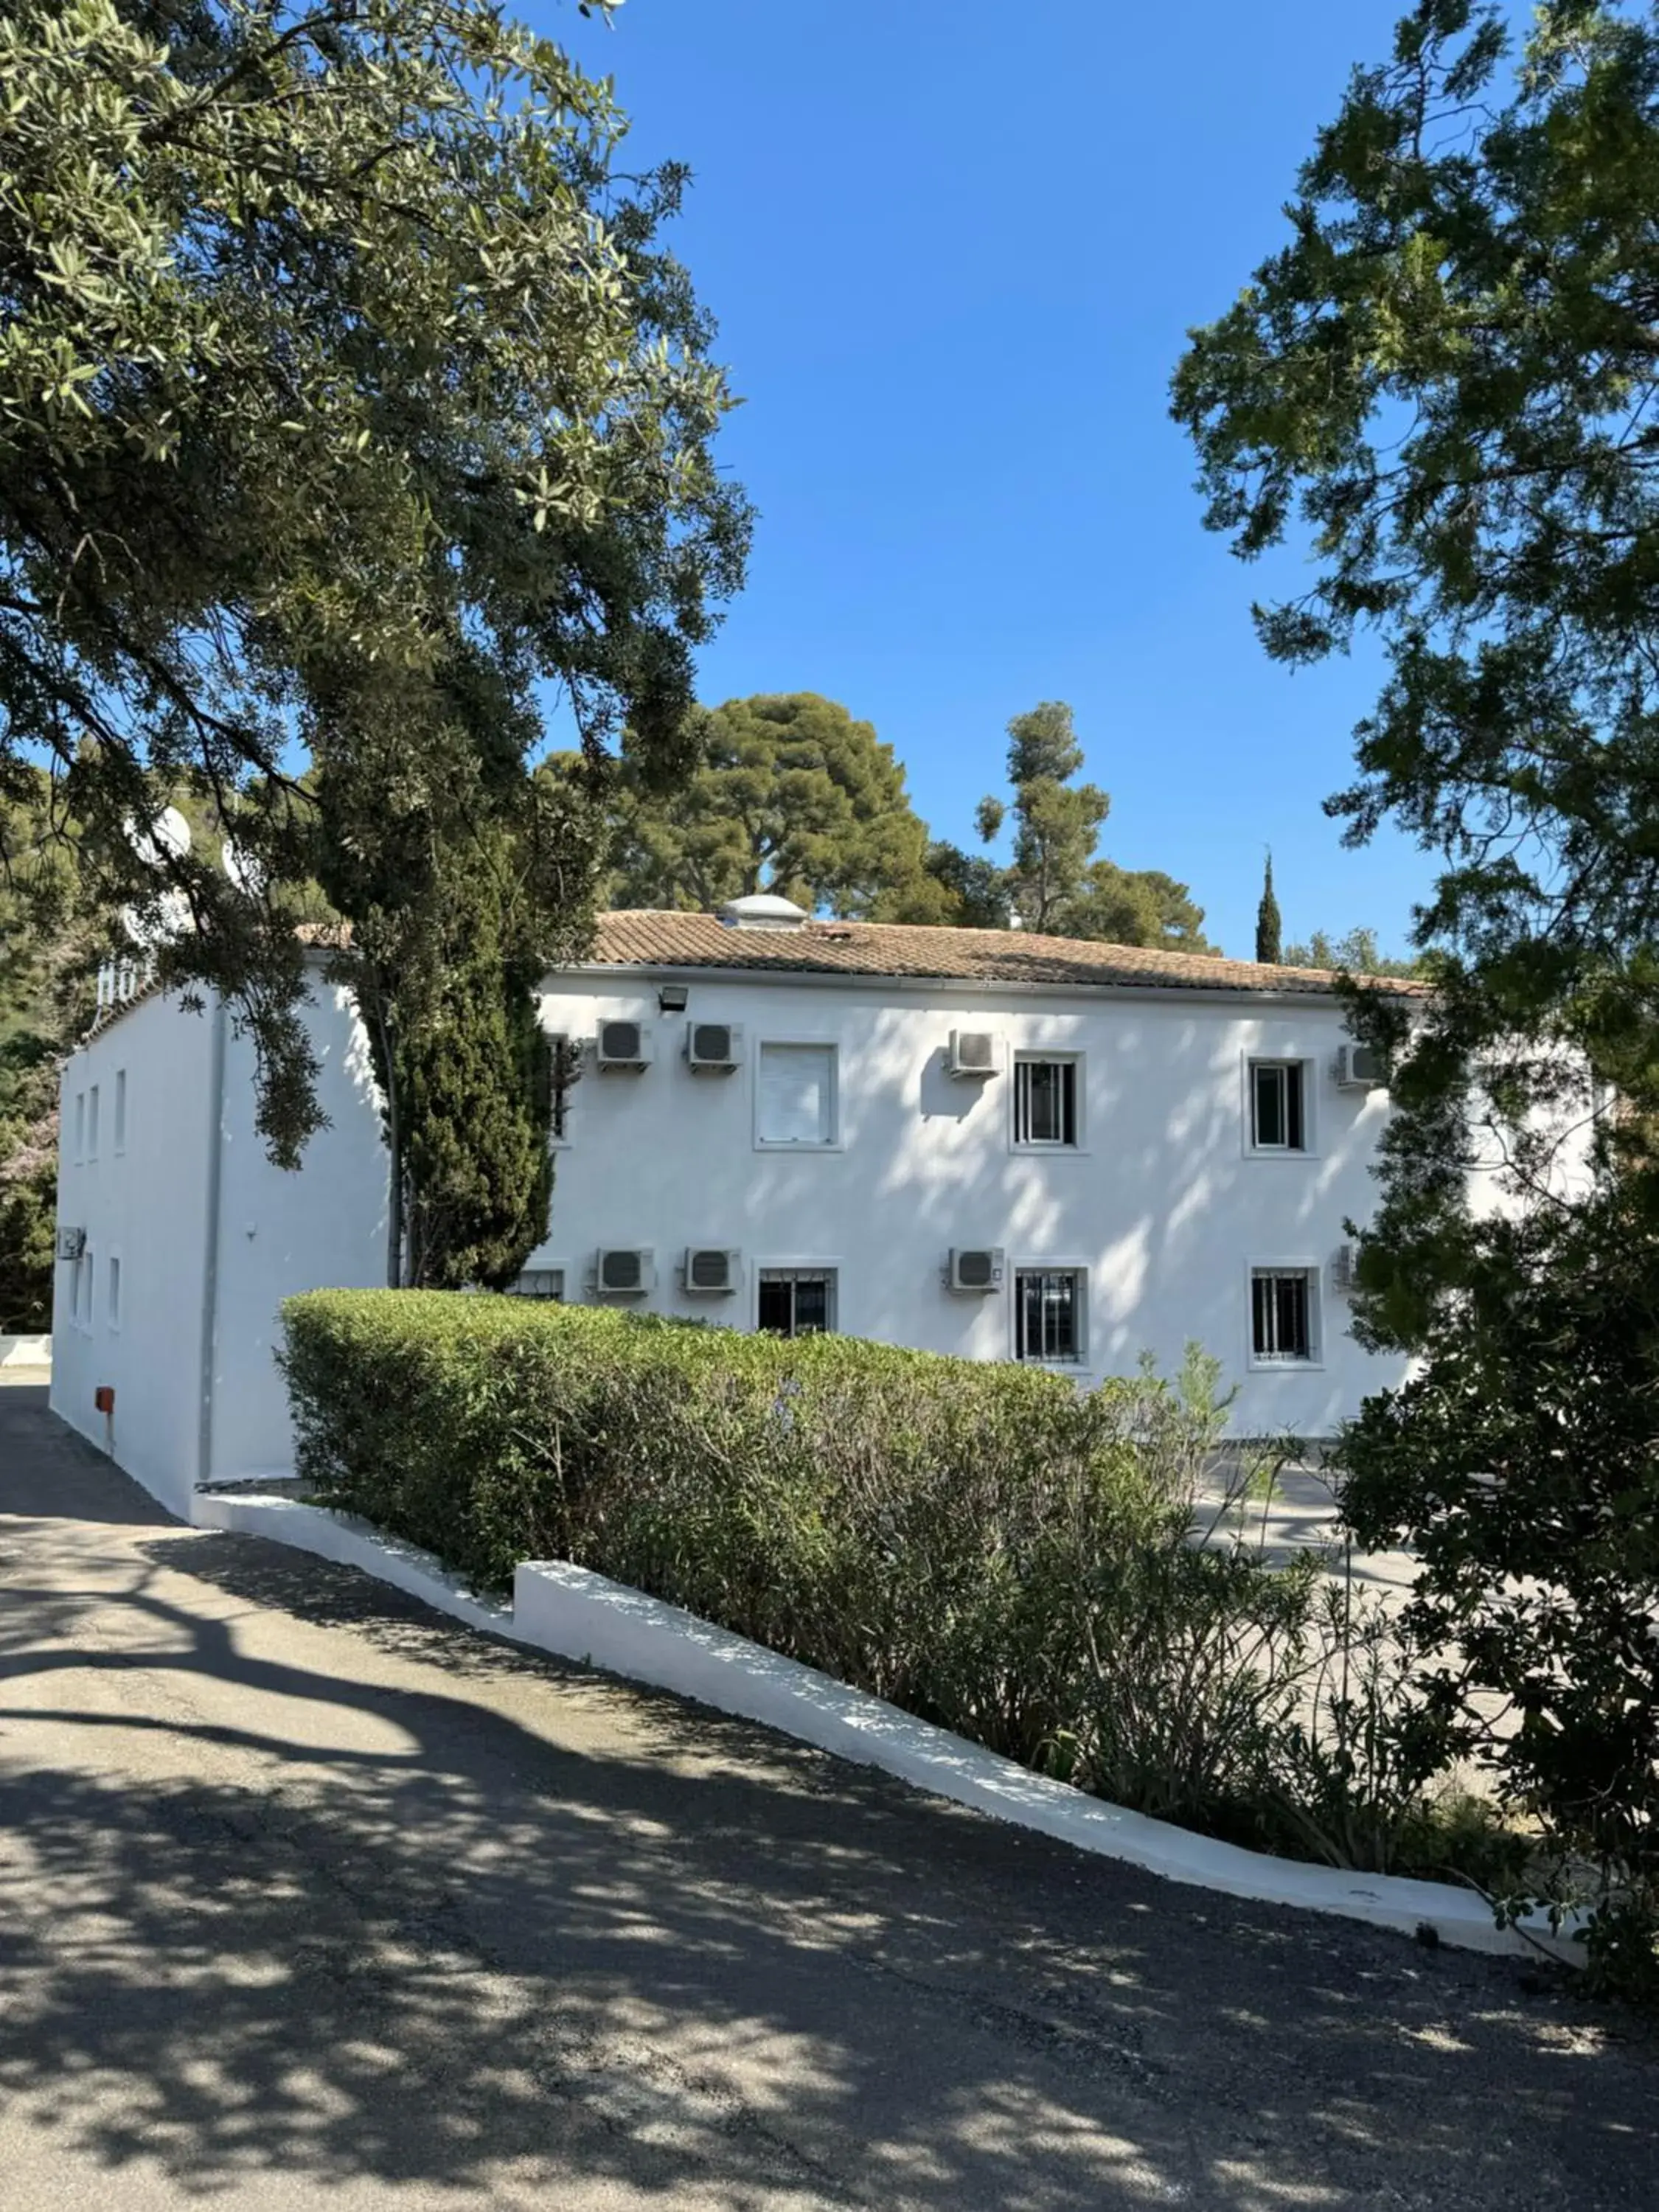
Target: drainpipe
{"x": 211, "y": 1248}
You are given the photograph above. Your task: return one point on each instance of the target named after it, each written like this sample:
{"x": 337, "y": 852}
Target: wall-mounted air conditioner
{"x": 1344, "y": 1274}
{"x": 974, "y": 1053}
{"x": 72, "y": 1243}
{"x": 711, "y": 1270}
{"x": 624, "y": 1270}
{"x": 623, "y": 1045}
{"x": 975, "y": 1269}
{"x": 713, "y": 1047}
{"x": 1359, "y": 1067}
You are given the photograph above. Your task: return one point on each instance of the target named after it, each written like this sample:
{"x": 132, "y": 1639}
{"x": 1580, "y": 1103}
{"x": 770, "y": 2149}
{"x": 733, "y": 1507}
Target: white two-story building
{"x": 999, "y": 1145}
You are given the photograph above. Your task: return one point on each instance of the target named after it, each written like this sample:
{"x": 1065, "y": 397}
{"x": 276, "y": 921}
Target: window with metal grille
{"x": 544, "y": 1283}
{"x": 1281, "y": 1313}
{"x": 1045, "y": 1102}
{"x": 797, "y": 1301}
{"x": 1048, "y": 1316}
{"x": 1279, "y": 1121}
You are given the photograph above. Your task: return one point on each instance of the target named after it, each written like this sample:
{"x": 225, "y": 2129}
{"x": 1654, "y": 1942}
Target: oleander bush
{"x": 982, "y": 1545}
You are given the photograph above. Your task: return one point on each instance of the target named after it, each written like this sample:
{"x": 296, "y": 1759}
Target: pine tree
{"x": 1268, "y": 948}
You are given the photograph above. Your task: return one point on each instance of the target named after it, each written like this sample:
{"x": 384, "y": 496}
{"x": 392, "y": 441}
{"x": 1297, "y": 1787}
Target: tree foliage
{"x": 333, "y": 358}
{"x": 1269, "y": 949}
{"x": 45, "y": 948}
{"x": 1445, "y": 383}
{"x": 1519, "y": 1466}
{"x": 1053, "y": 882}
{"x": 1356, "y": 953}
{"x": 790, "y": 794}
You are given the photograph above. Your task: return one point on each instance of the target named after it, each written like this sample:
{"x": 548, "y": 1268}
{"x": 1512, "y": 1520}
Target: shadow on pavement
{"x": 547, "y": 1937}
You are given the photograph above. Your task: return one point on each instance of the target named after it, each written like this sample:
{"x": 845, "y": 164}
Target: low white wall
{"x": 576, "y": 1615}
{"x": 24, "y": 1352}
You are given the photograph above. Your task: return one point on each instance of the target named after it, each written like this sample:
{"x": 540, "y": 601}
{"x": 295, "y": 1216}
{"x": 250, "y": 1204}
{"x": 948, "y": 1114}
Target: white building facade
{"x": 994, "y": 1144}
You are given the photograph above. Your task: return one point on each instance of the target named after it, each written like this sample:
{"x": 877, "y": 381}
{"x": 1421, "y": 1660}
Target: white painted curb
{"x": 24, "y": 1352}
{"x": 579, "y": 1615}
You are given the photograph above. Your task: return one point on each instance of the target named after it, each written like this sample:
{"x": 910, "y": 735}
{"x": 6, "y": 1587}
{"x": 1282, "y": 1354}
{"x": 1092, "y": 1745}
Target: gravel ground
{"x": 309, "y": 1898}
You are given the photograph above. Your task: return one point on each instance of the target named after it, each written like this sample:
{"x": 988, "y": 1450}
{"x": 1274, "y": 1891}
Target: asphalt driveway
{"x": 308, "y": 1898}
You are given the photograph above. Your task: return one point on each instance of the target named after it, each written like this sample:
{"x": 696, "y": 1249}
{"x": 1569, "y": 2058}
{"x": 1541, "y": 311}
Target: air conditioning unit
{"x": 975, "y": 1053}
{"x": 1344, "y": 1274}
{"x": 972, "y": 1268}
{"x": 713, "y": 1047}
{"x": 1359, "y": 1067}
{"x": 624, "y": 1270}
{"x": 72, "y": 1243}
{"x": 623, "y": 1044}
{"x": 710, "y": 1271}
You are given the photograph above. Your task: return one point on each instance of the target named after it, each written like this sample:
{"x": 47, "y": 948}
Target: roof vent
{"x": 763, "y": 910}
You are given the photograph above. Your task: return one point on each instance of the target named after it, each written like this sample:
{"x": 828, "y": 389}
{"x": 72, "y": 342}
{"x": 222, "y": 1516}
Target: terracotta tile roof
{"x": 642, "y": 938}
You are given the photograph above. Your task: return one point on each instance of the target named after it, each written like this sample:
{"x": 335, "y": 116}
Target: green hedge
{"x": 915, "y": 1525}
{"x": 982, "y": 1544}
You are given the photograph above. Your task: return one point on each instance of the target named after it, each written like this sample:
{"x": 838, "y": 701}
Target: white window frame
{"x": 118, "y": 1114}
{"x": 1051, "y": 1147}
{"x": 764, "y": 1045}
{"x": 92, "y": 1122}
{"x": 79, "y": 1126}
{"x": 796, "y": 1264}
{"x": 1038, "y": 1264}
{"x": 115, "y": 1274}
{"x": 1273, "y": 1362}
{"x": 1309, "y": 1148}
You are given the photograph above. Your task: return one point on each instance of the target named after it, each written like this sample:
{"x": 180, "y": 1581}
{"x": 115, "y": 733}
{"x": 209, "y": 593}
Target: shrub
{"x": 1518, "y": 1464}
{"x": 982, "y": 1544}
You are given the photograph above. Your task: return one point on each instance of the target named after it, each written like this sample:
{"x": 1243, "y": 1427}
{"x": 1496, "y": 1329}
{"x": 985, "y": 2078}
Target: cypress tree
{"x": 475, "y": 1083}
{"x": 1267, "y": 945}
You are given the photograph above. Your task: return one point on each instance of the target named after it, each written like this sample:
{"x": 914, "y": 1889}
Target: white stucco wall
{"x": 281, "y": 1231}
{"x": 148, "y": 1205}
{"x": 143, "y": 1202}
{"x": 1162, "y": 1202}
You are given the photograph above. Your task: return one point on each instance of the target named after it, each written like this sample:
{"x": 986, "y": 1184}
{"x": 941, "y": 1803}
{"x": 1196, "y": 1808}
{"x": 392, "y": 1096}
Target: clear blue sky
{"x": 953, "y": 247}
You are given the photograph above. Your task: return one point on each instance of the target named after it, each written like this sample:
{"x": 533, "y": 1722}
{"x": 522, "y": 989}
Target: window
{"x": 1282, "y": 1319}
{"x": 1278, "y": 1121}
{"x": 120, "y": 1130}
{"x": 1045, "y": 1102}
{"x": 795, "y": 1103}
{"x": 92, "y": 1122}
{"x": 80, "y": 1125}
{"x": 544, "y": 1283}
{"x": 1048, "y": 1313}
{"x": 113, "y": 1294}
{"x": 797, "y": 1301}
{"x": 86, "y": 1279}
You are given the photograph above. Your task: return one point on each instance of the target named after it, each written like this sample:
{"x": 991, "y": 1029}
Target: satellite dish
{"x": 148, "y": 927}
{"x": 167, "y": 837}
{"x": 246, "y": 873}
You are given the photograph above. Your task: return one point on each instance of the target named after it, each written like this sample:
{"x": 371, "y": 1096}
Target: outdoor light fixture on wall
{"x": 671, "y": 999}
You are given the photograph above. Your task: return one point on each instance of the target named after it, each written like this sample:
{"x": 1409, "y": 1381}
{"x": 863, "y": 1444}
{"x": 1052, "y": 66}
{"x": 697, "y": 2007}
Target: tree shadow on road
{"x": 564, "y": 1941}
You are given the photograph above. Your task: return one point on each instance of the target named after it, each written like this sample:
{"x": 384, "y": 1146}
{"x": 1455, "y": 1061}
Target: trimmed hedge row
{"x": 924, "y": 1527}
{"x": 982, "y": 1545}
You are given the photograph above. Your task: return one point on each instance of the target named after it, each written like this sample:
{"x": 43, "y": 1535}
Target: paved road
{"x": 309, "y": 1898}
